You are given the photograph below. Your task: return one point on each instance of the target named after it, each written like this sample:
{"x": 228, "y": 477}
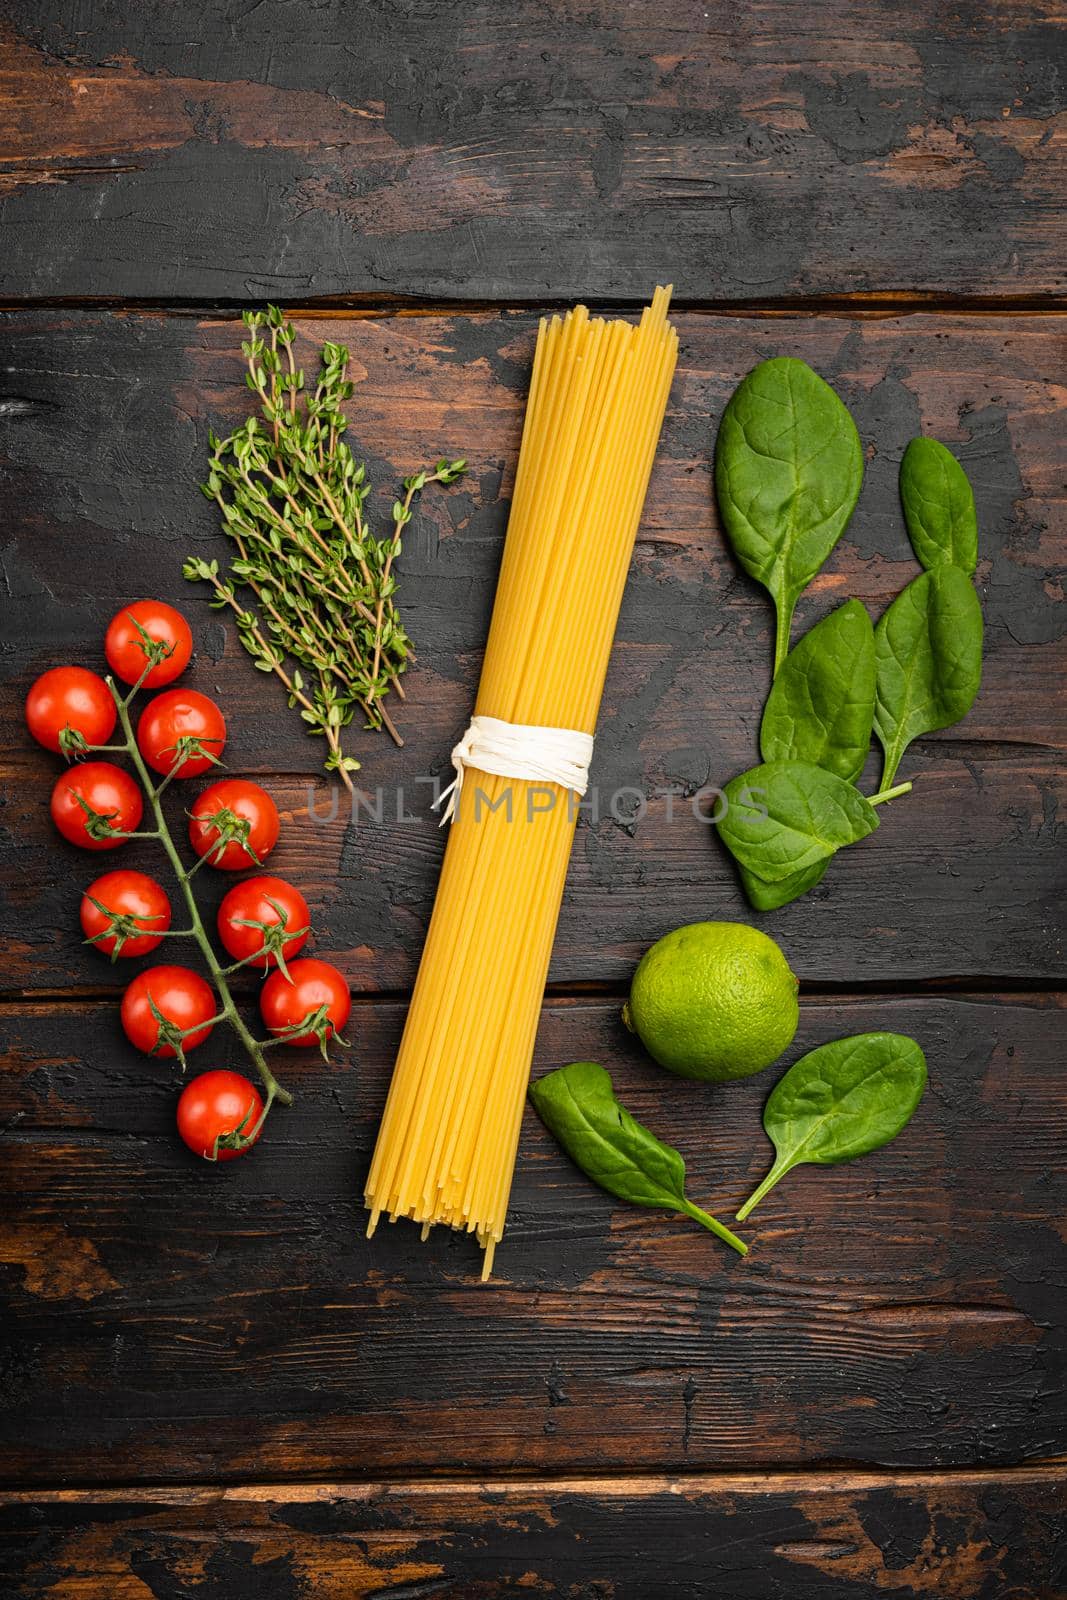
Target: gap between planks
{"x": 976, "y": 990}
{"x": 860, "y": 304}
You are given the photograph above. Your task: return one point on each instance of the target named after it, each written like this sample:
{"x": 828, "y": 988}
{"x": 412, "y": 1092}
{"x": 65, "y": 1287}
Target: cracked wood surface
{"x": 174, "y": 1322}
{"x": 524, "y": 150}
{"x": 844, "y": 1536}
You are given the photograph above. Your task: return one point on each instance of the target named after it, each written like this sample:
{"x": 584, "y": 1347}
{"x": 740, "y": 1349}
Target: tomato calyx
{"x": 121, "y": 926}
{"x": 72, "y": 744}
{"x": 187, "y": 746}
{"x": 316, "y": 1021}
{"x": 170, "y": 1034}
{"x": 156, "y": 651}
{"x": 231, "y": 829}
{"x": 242, "y": 1137}
{"x": 276, "y": 935}
{"x": 100, "y": 824}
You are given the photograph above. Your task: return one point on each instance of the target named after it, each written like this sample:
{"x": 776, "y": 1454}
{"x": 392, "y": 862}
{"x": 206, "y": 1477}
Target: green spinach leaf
{"x": 763, "y": 896}
{"x": 928, "y": 651}
{"x": 839, "y": 1102}
{"x": 788, "y": 470}
{"x": 577, "y": 1104}
{"x": 821, "y": 706}
{"x": 784, "y": 818}
{"x": 938, "y": 506}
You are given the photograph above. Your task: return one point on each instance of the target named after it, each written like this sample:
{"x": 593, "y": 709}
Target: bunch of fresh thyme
{"x": 292, "y": 499}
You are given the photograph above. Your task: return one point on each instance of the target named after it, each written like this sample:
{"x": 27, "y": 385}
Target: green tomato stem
{"x": 716, "y": 1227}
{"x": 198, "y": 1027}
{"x": 229, "y": 1010}
{"x": 245, "y": 961}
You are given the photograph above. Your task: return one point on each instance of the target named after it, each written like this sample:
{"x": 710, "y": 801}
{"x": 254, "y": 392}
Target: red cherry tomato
{"x": 214, "y": 1104}
{"x": 106, "y": 790}
{"x": 124, "y": 645}
{"x": 70, "y": 697}
{"x": 137, "y": 902}
{"x": 180, "y": 995}
{"x": 246, "y": 830}
{"x": 284, "y": 1003}
{"x": 268, "y": 900}
{"x": 176, "y": 715}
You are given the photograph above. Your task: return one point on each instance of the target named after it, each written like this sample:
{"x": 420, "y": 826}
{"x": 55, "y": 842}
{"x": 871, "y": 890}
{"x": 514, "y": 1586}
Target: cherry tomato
{"x": 180, "y": 995}
{"x": 70, "y": 697}
{"x": 125, "y": 648}
{"x": 176, "y": 715}
{"x": 214, "y": 1104}
{"x": 137, "y": 901}
{"x": 105, "y": 789}
{"x": 248, "y": 829}
{"x": 284, "y": 1003}
{"x": 268, "y": 900}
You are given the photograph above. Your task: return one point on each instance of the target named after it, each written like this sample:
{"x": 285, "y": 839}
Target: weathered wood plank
{"x": 104, "y": 435}
{"x": 843, "y": 1536}
{"x": 169, "y": 1321}
{"x": 531, "y": 151}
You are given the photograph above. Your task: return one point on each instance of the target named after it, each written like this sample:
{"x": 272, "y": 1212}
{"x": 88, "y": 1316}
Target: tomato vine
{"x": 98, "y": 806}
{"x": 253, "y": 1047}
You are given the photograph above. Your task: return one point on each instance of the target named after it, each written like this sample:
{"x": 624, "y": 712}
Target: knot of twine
{"x": 519, "y": 750}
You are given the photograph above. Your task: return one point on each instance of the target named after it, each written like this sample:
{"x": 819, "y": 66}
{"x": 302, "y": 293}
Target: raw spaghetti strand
{"x": 450, "y": 1128}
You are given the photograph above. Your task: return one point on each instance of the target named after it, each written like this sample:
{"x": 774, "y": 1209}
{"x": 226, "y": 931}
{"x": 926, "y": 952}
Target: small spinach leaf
{"x": 928, "y": 650}
{"x": 788, "y": 470}
{"x": 787, "y": 817}
{"x": 821, "y": 706}
{"x": 839, "y": 1102}
{"x": 938, "y": 506}
{"x": 577, "y": 1104}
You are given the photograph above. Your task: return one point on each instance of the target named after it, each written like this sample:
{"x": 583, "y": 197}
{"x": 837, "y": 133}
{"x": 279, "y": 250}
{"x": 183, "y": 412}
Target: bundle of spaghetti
{"x": 449, "y": 1133}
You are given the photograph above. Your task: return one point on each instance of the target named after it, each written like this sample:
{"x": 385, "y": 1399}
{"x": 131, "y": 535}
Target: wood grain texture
{"x": 172, "y": 1335}
{"x": 103, "y": 423}
{"x": 531, "y": 151}
{"x": 169, "y": 1321}
{"x": 966, "y": 1536}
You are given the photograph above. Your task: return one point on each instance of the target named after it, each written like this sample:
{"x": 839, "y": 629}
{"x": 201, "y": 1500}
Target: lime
{"x": 713, "y": 1000}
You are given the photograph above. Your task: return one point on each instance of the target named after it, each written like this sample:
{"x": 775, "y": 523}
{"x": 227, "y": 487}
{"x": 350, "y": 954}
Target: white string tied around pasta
{"x": 519, "y": 750}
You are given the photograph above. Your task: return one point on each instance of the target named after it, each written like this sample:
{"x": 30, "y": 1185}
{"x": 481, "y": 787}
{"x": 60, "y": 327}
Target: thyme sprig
{"x": 293, "y": 500}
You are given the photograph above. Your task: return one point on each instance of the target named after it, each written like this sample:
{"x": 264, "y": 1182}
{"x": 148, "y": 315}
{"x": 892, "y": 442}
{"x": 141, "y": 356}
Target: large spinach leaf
{"x": 577, "y": 1104}
{"x": 788, "y": 470}
{"x": 928, "y": 651}
{"x": 784, "y": 818}
{"x": 821, "y": 706}
{"x": 938, "y": 506}
{"x": 839, "y": 1102}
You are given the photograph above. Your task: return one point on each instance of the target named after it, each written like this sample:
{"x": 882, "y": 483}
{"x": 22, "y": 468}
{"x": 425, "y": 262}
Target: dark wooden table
{"x": 211, "y": 1384}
